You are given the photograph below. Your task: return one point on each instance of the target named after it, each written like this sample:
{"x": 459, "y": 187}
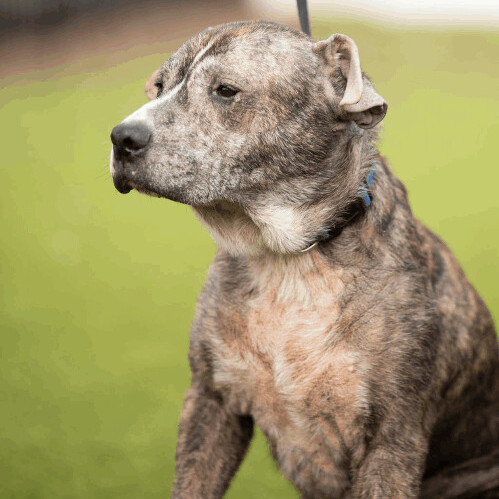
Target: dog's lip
{"x": 121, "y": 184}
{"x": 120, "y": 181}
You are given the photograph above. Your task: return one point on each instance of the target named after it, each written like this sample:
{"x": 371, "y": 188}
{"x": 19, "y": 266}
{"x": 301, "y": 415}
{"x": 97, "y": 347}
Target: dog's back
{"x": 464, "y": 446}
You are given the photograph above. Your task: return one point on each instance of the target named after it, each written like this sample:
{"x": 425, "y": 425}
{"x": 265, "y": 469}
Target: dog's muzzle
{"x": 130, "y": 140}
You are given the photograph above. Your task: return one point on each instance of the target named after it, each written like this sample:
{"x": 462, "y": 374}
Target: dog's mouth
{"x": 124, "y": 186}
{"x": 117, "y": 169}
{"x": 128, "y": 176}
{"x": 121, "y": 184}
{"x": 123, "y": 175}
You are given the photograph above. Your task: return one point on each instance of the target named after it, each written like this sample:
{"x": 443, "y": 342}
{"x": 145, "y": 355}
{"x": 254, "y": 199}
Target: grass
{"x": 98, "y": 290}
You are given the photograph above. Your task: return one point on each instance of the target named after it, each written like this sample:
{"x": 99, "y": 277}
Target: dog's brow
{"x": 187, "y": 63}
{"x": 197, "y": 59}
{"x": 141, "y": 113}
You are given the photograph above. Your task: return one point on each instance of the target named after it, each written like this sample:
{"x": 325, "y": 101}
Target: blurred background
{"x": 98, "y": 290}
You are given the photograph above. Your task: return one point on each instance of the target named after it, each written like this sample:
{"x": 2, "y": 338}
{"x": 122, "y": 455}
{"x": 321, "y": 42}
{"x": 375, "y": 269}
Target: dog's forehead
{"x": 252, "y": 45}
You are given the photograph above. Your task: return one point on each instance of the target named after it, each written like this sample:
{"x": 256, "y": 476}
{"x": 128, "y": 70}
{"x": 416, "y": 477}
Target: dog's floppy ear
{"x": 150, "y": 89}
{"x": 360, "y": 100}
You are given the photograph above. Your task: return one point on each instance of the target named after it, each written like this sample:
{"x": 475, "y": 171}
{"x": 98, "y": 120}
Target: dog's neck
{"x": 268, "y": 224}
{"x": 352, "y": 213}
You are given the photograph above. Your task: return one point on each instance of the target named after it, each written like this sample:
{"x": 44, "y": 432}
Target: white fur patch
{"x": 201, "y": 53}
{"x": 283, "y": 228}
{"x": 143, "y": 114}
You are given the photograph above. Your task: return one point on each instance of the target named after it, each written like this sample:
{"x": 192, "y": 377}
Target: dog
{"x": 331, "y": 317}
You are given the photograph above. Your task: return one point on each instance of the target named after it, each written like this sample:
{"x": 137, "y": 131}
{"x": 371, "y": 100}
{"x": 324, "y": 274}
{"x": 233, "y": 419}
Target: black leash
{"x": 303, "y": 15}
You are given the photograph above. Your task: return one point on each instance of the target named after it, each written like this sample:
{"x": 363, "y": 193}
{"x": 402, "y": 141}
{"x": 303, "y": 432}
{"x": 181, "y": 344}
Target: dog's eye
{"x": 225, "y": 91}
{"x": 159, "y": 86}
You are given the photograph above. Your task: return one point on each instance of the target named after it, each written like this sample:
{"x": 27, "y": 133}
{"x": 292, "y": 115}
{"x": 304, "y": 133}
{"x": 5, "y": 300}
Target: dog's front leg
{"x": 211, "y": 445}
{"x": 394, "y": 464}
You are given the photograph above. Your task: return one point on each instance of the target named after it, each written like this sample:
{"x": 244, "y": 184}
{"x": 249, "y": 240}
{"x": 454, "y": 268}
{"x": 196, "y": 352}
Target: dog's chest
{"x": 280, "y": 360}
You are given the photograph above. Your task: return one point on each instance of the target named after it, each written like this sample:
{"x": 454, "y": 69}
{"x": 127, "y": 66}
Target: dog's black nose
{"x": 131, "y": 137}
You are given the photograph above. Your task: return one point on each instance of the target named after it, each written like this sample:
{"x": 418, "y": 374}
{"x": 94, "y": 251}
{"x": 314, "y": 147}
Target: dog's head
{"x": 252, "y": 124}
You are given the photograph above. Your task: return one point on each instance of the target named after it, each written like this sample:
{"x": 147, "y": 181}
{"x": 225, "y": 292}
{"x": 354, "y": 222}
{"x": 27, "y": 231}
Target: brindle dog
{"x": 331, "y": 318}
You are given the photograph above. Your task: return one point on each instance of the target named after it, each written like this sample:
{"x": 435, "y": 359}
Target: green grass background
{"x": 98, "y": 289}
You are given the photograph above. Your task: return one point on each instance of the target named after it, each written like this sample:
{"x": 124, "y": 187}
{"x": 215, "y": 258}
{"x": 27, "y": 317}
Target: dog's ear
{"x": 150, "y": 89}
{"x": 360, "y": 101}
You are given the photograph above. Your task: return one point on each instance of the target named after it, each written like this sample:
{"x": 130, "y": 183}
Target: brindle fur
{"x": 370, "y": 363}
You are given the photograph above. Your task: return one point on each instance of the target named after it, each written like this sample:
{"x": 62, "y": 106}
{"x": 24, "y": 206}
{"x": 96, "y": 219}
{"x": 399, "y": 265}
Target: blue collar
{"x": 365, "y": 192}
{"x": 365, "y": 186}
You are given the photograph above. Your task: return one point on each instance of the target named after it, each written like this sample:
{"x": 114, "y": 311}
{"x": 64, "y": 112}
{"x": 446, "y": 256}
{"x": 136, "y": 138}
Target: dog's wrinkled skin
{"x": 369, "y": 362}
